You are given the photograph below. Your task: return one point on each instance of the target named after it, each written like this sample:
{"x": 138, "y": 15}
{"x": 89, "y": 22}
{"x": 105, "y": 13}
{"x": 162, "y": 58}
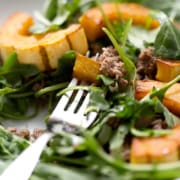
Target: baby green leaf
{"x": 14, "y": 72}
{"x": 50, "y": 9}
{"x": 167, "y": 42}
{"x": 65, "y": 66}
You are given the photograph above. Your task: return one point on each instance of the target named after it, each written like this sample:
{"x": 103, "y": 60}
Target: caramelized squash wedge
{"x": 14, "y": 37}
{"x": 167, "y": 148}
{"x": 167, "y": 69}
{"x": 54, "y": 45}
{"x": 175, "y": 135}
{"x": 86, "y": 68}
{"x": 172, "y": 96}
{"x": 77, "y": 38}
{"x": 153, "y": 150}
{"x": 92, "y": 20}
{"x": 41, "y": 50}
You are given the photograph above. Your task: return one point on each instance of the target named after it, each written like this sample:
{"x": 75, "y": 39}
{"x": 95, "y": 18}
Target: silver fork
{"x": 65, "y": 117}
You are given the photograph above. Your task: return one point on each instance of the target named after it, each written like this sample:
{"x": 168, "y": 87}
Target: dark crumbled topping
{"x": 36, "y": 133}
{"x": 159, "y": 124}
{"x": 146, "y": 65}
{"x": 25, "y": 133}
{"x": 112, "y": 65}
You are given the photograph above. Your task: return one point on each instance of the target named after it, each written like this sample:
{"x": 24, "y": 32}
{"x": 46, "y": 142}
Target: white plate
{"x": 8, "y": 7}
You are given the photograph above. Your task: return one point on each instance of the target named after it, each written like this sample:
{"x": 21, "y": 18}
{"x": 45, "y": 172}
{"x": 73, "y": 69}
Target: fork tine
{"x": 91, "y": 116}
{"x": 88, "y": 119}
{"x": 64, "y": 99}
{"x": 76, "y": 101}
{"x": 71, "y": 108}
{"x": 84, "y": 104}
{"x": 68, "y": 120}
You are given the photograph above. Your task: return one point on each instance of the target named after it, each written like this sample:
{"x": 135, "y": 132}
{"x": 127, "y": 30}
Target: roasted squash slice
{"x": 54, "y": 45}
{"x": 172, "y": 96}
{"x": 77, "y": 38}
{"x": 158, "y": 150}
{"x": 43, "y": 51}
{"x": 174, "y": 136}
{"x": 153, "y": 150}
{"x": 92, "y": 20}
{"x": 14, "y": 37}
{"x": 167, "y": 69}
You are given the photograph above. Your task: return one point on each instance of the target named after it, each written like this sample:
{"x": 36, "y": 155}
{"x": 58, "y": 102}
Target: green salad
{"x": 135, "y": 91}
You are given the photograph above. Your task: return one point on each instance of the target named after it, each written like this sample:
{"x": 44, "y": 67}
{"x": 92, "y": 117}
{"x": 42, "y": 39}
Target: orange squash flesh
{"x": 44, "y": 50}
{"x": 156, "y": 149}
{"x": 86, "y": 69}
{"x": 153, "y": 150}
{"x": 167, "y": 69}
{"x": 172, "y": 96}
{"x": 92, "y": 20}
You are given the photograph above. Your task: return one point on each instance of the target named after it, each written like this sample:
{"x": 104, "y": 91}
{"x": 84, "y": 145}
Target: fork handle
{"x": 22, "y": 167}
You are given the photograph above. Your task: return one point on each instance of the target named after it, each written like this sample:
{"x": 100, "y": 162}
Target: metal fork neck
{"x": 56, "y": 126}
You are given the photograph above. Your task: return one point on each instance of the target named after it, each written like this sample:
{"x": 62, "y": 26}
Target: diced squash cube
{"x": 153, "y": 150}
{"x": 138, "y": 152}
{"x": 92, "y": 20}
{"x": 86, "y": 68}
{"x": 172, "y": 96}
{"x": 167, "y": 69}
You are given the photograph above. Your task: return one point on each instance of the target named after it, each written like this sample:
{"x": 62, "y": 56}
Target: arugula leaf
{"x": 13, "y": 72}
{"x": 60, "y": 173}
{"x": 18, "y": 85}
{"x": 161, "y": 92}
{"x": 149, "y": 132}
{"x": 97, "y": 100}
{"x": 142, "y": 37}
{"x": 107, "y": 81}
{"x": 7, "y": 90}
{"x": 170, "y": 118}
{"x": 167, "y": 42}
{"x": 65, "y": 66}
{"x": 21, "y": 112}
{"x": 11, "y": 145}
{"x": 117, "y": 140}
{"x": 12, "y": 83}
{"x": 41, "y": 28}
{"x": 50, "y": 9}
{"x": 51, "y": 88}
{"x": 58, "y": 13}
